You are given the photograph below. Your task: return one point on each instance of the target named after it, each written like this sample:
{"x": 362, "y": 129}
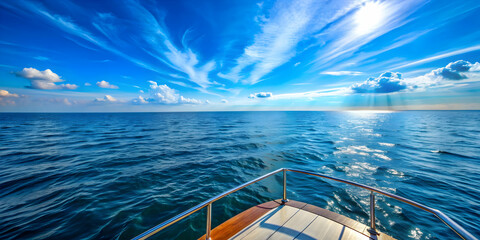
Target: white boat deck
{"x": 286, "y": 222}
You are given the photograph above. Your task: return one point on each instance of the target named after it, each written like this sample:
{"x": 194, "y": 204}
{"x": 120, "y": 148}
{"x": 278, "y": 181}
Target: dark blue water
{"x": 114, "y": 175}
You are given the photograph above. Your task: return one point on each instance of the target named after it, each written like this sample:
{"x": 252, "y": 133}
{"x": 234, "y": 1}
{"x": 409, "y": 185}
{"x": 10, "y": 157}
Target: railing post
{"x": 372, "y": 228}
{"x": 209, "y": 221}
{"x": 284, "y": 199}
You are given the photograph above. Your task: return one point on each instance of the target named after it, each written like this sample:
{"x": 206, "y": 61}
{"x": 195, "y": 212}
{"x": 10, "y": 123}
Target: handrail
{"x": 459, "y": 230}
{"x": 190, "y": 211}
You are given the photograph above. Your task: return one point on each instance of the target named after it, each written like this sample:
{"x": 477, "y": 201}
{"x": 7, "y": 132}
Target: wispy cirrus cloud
{"x": 368, "y": 21}
{"x": 150, "y": 37}
{"x": 446, "y": 54}
{"x": 342, "y": 73}
{"x": 41, "y": 58}
{"x": 313, "y": 94}
{"x": 159, "y": 45}
{"x": 289, "y": 23}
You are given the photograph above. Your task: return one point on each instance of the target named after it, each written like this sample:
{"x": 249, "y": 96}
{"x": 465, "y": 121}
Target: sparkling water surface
{"x": 114, "y": 175}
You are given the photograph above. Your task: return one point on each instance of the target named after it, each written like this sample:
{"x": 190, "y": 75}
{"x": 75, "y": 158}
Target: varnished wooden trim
{"x": 237, "y": 223}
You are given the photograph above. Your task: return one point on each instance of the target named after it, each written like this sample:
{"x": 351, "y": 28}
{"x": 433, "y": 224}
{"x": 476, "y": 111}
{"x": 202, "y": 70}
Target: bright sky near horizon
{"x": 189, "y": 55}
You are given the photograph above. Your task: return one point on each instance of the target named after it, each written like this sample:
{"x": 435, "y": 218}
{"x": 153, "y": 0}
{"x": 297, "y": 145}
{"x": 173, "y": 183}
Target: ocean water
{"x": 114, "y": 175}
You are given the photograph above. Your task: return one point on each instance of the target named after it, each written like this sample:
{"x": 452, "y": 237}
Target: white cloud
{"x": 34, "y": 74}
{"x": 7, "y": 98}
{"x": 189, "y": 100}
{"x": 296, "y": 64}
{"x": 45, "y": 79}
{"x": 343, "y": 73}
{"x": 67, "y": 102}
{"x": 166, "y": 95}
{"x": 163, "y": 93}
{"x": 5, "y": 93}
{"x": 140, "y": 100}
{"x": 457, "y": 72}
{"x": 150, "y": 37}
{"x": 107, "y": 98}
{"x": 87, "y": 84}
{"x": 224, "y": 101}
{"x": 105, "y": 84}
{"x": 261, "y": 95}
{"x": 387, "y": 82}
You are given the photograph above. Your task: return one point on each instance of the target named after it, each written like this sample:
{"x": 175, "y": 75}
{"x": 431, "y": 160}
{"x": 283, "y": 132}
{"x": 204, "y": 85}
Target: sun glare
{"x": 369, "y": 17}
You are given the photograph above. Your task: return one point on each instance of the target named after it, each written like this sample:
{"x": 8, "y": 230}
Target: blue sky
{"x": 206, "y": 55}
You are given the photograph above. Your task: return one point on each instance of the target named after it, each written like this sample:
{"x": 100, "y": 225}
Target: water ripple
{"x": 112, "y": 176}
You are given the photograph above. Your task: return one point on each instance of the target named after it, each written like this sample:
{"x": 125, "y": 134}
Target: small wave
{"x": 382, "y": 156}
{"x": 357, "y": 150}
{"x": 452, "y": 154}
{"x": 248, "y": 146}
{"x": 386, "y": 144}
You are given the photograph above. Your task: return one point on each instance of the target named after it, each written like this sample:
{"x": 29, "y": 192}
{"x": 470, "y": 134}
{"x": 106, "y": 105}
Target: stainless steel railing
{"x": 459, "y": 230}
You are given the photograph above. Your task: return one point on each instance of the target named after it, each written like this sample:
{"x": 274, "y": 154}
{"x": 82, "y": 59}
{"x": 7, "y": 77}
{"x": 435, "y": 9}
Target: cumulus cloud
{"x": 5, "y": 93}
{"x": 45, "y": 79}
{"x": 165, "y": 95}
{"x": 66, "y": 102}
{"x": 87, "y": 84}
{"x": 6, "y": 98}
{"x": 224, "y": 101}
{"x": 456, "y": 70}
{"x": 107, "y": 98}
{"x": 105, "y": 84}
{"x": 140, "y": 100}
{"x": 387, "y": 82}
{"x": 189, "y": 100}
{"x": 261, "y": 95}
{"x": 390, "y": 82}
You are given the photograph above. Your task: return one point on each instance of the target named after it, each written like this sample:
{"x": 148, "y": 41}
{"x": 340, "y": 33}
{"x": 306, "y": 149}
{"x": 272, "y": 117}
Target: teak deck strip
{"x": 265, "y": 228}
{"x": 294, "y": 220}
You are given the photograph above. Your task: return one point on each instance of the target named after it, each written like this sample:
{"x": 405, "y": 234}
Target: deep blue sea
{"x": 114, "y": 175}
